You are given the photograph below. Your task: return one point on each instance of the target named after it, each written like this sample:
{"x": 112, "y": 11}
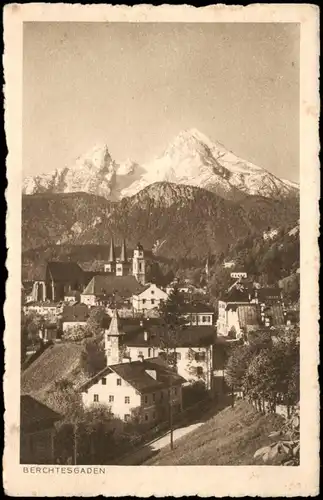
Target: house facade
{"x": 149, "y": 299}
{"x": 104, "y": 290}
{"x": 136, "y": 391}
{"x": 74, "y": 316}
{"x": 141, "y": 340}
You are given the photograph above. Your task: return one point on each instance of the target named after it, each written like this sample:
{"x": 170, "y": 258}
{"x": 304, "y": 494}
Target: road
{"x": 149, "y": 449}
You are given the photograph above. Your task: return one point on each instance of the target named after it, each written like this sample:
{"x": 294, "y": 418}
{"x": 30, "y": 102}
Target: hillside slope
{"x": 190, "y": 221}
{"x": 229, "y": 438}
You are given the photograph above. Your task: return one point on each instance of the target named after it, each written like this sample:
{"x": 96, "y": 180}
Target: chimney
{"x": 152, "y": 373}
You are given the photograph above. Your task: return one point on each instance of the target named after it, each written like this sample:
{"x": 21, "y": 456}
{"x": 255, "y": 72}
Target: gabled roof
{"x": 135, "y": 373}
{"x": 77, "y": 313}
{"x": 124, "y": 286}
{"x": 36, "y": 416}
{"x": 65, "y": 271}
{"x": 189, "y": 336}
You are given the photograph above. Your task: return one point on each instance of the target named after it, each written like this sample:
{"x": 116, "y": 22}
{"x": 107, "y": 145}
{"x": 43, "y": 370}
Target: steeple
{"x": 112, "y": 254}
{"x": 123, "y": 256}
{"x": 111, "y": 340}
{"x": 114, "y": 327}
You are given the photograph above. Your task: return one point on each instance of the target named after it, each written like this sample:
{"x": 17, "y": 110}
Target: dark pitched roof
{"x": 236, "y": 295}
{"x": 189, "y": 336}
{"x": 36, "y": 416}
{"x": 65, "y": 271}
{"x": 135, "y": 373}
{"x": 248, "y": 315}
{"x": 124, "y": 286}
{"x": 78, "y": 312}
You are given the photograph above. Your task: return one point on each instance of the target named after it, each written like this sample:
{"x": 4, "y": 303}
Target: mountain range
{"x": 192, "y": 159}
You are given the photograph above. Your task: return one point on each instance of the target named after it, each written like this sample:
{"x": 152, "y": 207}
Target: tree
{"x": 94, "y": 321}
{"x": 31, "y": 324}
{"x": 285, "y": 450}
{"x": 93, "y": 357}
{"x": 172, "y": 321}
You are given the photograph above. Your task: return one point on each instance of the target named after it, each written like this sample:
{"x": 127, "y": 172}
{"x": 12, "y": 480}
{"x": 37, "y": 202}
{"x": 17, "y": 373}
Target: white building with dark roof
{"x": 134, "y": 339}
{"x": 136, "y": 390}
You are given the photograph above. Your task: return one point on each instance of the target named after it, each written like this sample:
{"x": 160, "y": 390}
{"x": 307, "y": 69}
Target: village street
{"x": 149, "y": 449}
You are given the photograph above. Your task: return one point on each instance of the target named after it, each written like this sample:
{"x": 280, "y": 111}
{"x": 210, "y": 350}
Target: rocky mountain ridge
{"x": 192, "y": 159}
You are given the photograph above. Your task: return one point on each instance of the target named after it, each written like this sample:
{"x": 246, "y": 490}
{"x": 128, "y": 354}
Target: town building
{"x": 48, "y": 310}
{"x": 36, "y": 431}
{"x": 134, "y": 339}
{"x": 74, "y": 316}
{"x": 150, "y": 298}
{"x": 123, "y": 266}
{"x": 56, "y": 279}
{"x": 139, "y": 391}
{"x": 106, "y": 289}
{"x": 198, "y": 313}
{"x": 238, "y": 275}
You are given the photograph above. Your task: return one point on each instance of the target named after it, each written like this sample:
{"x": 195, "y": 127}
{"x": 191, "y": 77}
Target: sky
{"x": 134, "y": 87}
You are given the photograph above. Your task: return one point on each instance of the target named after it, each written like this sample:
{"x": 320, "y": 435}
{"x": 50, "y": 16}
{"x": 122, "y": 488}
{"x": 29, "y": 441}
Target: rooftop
{"x": 124, "y": 286}
{"x": 135, "y": 373}
{"x": 77, "y": 313}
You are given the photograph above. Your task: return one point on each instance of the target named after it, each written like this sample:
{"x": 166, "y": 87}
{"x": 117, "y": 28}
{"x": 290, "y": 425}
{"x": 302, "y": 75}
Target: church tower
{"x": 110, "y": 267}
{"x": 139, "y": 264}
{"x": 112, "y": 338}
{"x": 123, "y": 263}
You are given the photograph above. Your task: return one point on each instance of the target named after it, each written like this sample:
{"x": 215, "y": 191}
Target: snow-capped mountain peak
{"x": 190, "y": 159}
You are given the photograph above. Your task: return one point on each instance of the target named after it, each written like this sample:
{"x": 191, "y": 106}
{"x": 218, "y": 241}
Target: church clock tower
{"x": 139, "y": 264}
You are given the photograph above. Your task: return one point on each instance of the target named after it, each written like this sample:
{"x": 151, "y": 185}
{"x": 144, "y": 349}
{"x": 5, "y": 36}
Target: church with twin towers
{"x": 125, "y": 266}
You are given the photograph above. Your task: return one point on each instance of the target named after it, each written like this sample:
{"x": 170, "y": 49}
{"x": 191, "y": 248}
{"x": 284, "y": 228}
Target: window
{"x": 118, "y": 381}
{"x": 175, "y": 391}
{"x": 104, "y": 381}
{"x": 146, "y": 399}
{"x": 149, "y": 352}
{"x": 127, "y": 399}
{"x": 144, "y": 301}
{"x": 146, "y": 417}
{"x": 152, "y": 302}
{"x": 203, "y": 319}
{"x": 127, "y": 417}
{"x": 139, "y": 353}
{"x": 111, "y": 399}
{"x": 96, "y": 398}
{"x": 154, "y": 415}
{"x": 154, "y": 397}
{"x": 161, "y": 395}
{"x": 199, "y": 371}
{"x": 152, "y": 292}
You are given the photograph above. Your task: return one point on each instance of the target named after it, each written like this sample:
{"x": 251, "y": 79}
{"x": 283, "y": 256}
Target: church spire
{"x": 123, "y": 257}
{"x": 112, "y": 255}
{"x": 114, "y": 327}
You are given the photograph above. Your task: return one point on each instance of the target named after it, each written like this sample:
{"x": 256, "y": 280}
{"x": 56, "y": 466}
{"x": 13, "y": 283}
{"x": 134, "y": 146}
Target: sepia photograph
{"x": 160, "y": 251}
